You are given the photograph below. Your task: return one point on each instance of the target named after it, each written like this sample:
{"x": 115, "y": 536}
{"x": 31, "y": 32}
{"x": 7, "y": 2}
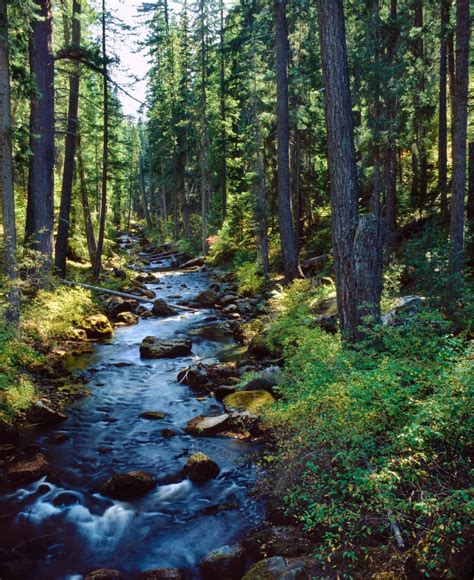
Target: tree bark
{"x": 6, "y": 170}
{"x": 70, "y": 148}
{"x": 40, "y": 205}
{"x": 105, "y": 159}
{"x": 470, "y": 191}
{"x": 342, "y": 161}
{"x": 204, "y": 153}
{"x": 223, "y": 113}
{"x": 391, "y": 149}
{"x": 460, "y": 107}
{"x": 287, "y": 232}
{"x": 86, "y": 210}
{"x": 443, "y": 108}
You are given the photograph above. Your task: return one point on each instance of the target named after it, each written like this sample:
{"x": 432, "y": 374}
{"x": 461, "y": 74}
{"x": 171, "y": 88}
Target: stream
{"x": 62, "y": 528}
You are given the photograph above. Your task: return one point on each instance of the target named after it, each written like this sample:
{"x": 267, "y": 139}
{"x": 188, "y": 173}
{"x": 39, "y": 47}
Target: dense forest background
{"x": 321, "y": 151}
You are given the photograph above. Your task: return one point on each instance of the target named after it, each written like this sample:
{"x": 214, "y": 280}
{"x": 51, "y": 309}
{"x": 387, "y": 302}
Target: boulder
{"x": 200, "y": 467}
{"x": 258, "y": 348}
{"x": 162, "y": 574}
{"x": 194, "y": 376}
{"x": 213, "y": 332}
{"x": 98, "y": 327}
{"x": 161, "y": 308}
{"x": 194, "y": 263}
{"x": 27, "y": 470}
{"x": 226, "y": 562}
{"x": 42, "y": 414}
{"x": 9, "y": 432}
{"x": 129, "y": 485}
{"x": 78, "y": 334}
{"x": 405, "y": 308}
{"x": 153, "y": 415}
{"x": 114, "y": 305}
{"x": 153, "y": 348}
{"x": 207, "y": 298}
{"x": 207, "y": 426}
{"x": 227, "y": 299}
{"x": 264, "y": 383}
{"x": 103, "y": 574}
{"x": 247, "y": 401}
{"x": 127, "y": 318}
{"x": 221, "y": 392}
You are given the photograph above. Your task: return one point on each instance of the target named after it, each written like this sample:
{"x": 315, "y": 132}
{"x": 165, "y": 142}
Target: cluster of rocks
{"x": 270, "y": 553}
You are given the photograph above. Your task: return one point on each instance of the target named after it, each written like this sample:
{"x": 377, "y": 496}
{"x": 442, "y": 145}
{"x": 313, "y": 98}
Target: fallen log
{"x": 314, "y": 263}
{"x": 125, "y": 295}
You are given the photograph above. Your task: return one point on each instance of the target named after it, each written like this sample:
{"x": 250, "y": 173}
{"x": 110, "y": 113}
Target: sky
{"x": 131, "y": 72}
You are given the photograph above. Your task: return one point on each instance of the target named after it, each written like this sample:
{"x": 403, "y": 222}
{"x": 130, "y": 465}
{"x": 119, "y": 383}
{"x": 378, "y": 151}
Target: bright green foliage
{"x": 384, "y": 426}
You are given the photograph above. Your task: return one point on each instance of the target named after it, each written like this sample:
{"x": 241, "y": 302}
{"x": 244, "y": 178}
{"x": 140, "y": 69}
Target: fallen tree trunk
{"x": 123, "y": 295}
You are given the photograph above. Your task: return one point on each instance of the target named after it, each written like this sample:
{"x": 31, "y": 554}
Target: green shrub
{"x": 250, "y": 280}
{"x": 386, "y": 425}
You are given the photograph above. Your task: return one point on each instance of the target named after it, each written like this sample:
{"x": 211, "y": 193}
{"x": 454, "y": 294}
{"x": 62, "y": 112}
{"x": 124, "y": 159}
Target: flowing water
{"x": 61, "y": 527}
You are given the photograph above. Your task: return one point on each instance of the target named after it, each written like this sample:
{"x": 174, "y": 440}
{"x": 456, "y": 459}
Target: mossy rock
{"x": 248, "y": 401}
{"x": 200, "y": 467}
{"x": 98, "y": 327}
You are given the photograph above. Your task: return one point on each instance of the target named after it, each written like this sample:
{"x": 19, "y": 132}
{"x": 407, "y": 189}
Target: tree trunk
{"x": 443, "y": 117}
{"x": 391, "y": 149}
{"x": 342, "y": 162}
{"x": 470, "y": 191}
{"x": 6, "y": 170}
{"x": 40, "y": 206}
{"x": 86, "y": 210}
{"x": 456, "y": 255}
{"x": 204, "y": 153}
{"x": 105, "y": 160}
{"x": 70, "y": 148}
{"x": 287, "y": 233}
{"x": 223, "y": 113}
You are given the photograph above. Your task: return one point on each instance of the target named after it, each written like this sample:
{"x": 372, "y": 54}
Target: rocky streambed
{"x": 151, "y": 471}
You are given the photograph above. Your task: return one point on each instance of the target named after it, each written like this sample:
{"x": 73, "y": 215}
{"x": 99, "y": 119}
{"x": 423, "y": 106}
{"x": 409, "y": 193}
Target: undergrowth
{"x": 381, "y": 428}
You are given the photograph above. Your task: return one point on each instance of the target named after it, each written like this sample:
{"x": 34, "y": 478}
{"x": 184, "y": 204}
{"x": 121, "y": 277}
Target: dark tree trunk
{"x": 391, "y": 149}
{"x": 287, "y": 233}
{"x": 443, "y": 117}
{"x": 342, "y": 162}
{"x": 6, "y": 170}
{"x": 204, "y": 153}
{"x": 460, "y": 107}
{"x": 70, "y": 148}
{"x": 86, "y": 210}
{"x": 105, "y": 159}
{"x": 470, "y": 191}
{"x": 222, "y": 89}
{"x": 40, "y": 206}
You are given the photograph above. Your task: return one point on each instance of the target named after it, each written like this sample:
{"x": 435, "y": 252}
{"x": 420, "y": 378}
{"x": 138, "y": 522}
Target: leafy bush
{"x": 250, "y": 280}
{"x": 385, "y": 427}
{"x": 52, "y": 315}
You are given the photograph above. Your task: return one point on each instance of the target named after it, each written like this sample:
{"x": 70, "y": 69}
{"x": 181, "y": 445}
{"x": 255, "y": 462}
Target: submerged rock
{"x": 226, "y": 562}
{"x": 208, "y": 426}
{"x": 247, "y": 401}
{"x": 162, "y": 574}
{"x": 162, "y": 309}
{"x": 128, "y": 485}
{"x": 98, "y": 327}
{"x": 41, "y": 413}
{"x": 103, "y": 574}
{"x": 153, "y": 415}
{"x": 153, "y": 348}
{"x": 27, "y": 470}
{"x": 200, "y": 467}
